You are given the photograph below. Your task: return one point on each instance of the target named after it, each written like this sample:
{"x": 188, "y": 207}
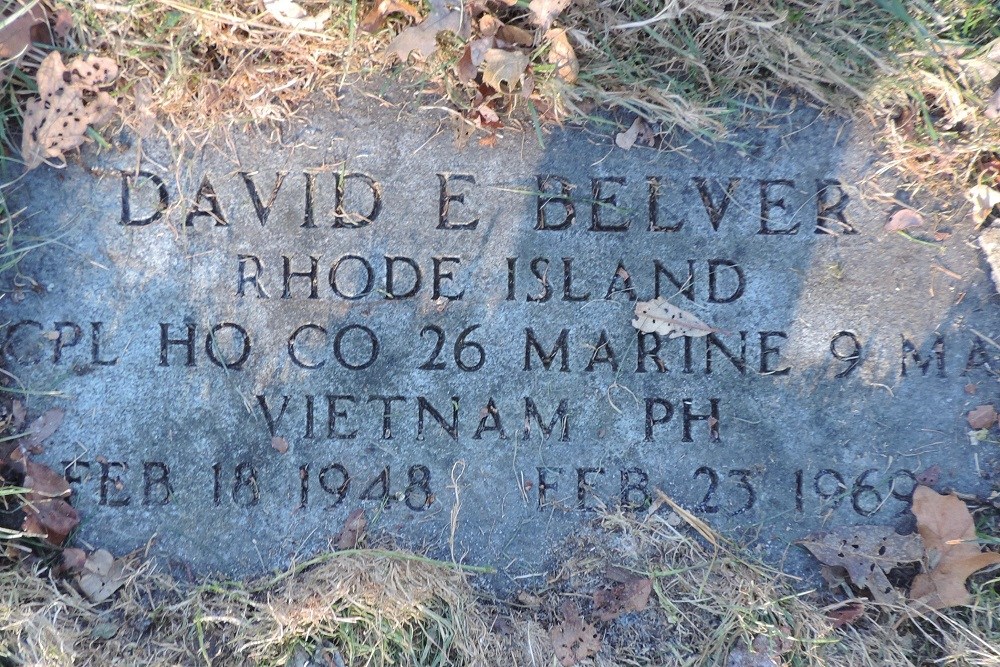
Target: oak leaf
{"x": 660, "y": 316}
{"x": 953, "y": 555}
{"x": 867, "y": 553}
{"x": 574, "y": 639}
{"x": 69, "y": 100}
{"x": 421, "y": 39}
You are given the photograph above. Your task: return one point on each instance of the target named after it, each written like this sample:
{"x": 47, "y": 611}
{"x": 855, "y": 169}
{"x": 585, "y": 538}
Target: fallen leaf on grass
{"x": 983, "y": 416}
{"x": 70, "y": 99}
{"x": 984, "y": 199}
{"x": 544, "y": 12}
{"x": 354, "y": 527}
{"x": 445, "y": 15}
{"x": 953, "y": 555}
{"x": 660, "y": 316}
{"x": 904, "y": 218}
{"x": 102, "y": 575}
{"x": 376, "y": 17}
{"x": 622, "y": 598}
{"x": 867, "y": 553}
{"x": 293, "y": 15}
{"x": 562, "y": 55}
{"x": 574, "y": 639}
{"x": 502, "y": 70}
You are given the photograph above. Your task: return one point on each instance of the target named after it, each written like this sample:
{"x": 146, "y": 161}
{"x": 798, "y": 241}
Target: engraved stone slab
{"x": 252, "y": 341}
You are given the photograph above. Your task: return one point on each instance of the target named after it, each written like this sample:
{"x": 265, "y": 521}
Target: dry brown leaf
{"x": 562, "y": 55}
{"x": 421, "y": 39}
{"x": 983, "y": 416}
{"x": 354, "y": 527}
{"x": 574, "y": 639}
{"x": 73, "y": 560}
{"x": 16, "y": 34}
{"x": 279, "y": 444}
{"x": 544, "y": 12}
{"x": 62, "y": 22}
{"x": 639, "y": 130}
{"x": 44, "y": 482}
{"x": 52, "y": 519}
{"x": 904, "y": 218}
{"x": 102, "y": 575}
{"x": 867, "y": 553}
{"x": 953, "y": 555}
{"x": 56, "y": 121}
{"x": 930, "y": 476}
{"x": 846, "y": 615}
{"x": 660, "y": 316}
{"x": 43, "y": 428}
{"x": 623, "y": 597}
{"x": 375, "y": 18}
{"x": 984, "y": 199}
{"x": 293, "y": 15}
{"x": 514, "y": 36}
{"x": 502, "y": 70}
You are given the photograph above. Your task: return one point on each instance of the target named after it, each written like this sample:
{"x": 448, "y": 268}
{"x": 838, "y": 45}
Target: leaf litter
{"x": 952, "y": 551}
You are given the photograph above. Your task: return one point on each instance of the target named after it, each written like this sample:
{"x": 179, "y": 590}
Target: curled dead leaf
{"x": 639, "y": 130}
{"x": 503, "y": 70}
{"x": 354, "y": 528}
{"x": 562, "y": 55}
{"x": 984, "y": 201}
{"x": 904, "y": 218}
{"x": 662, "y": 317}
{"x": 544, "y": 12}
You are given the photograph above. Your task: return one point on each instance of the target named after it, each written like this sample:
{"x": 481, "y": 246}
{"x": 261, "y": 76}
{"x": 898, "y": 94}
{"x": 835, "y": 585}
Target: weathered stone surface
{"x": 188, "y": 362}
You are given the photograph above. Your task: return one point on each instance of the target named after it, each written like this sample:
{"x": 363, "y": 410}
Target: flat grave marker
{"x": 254, "y": 341}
